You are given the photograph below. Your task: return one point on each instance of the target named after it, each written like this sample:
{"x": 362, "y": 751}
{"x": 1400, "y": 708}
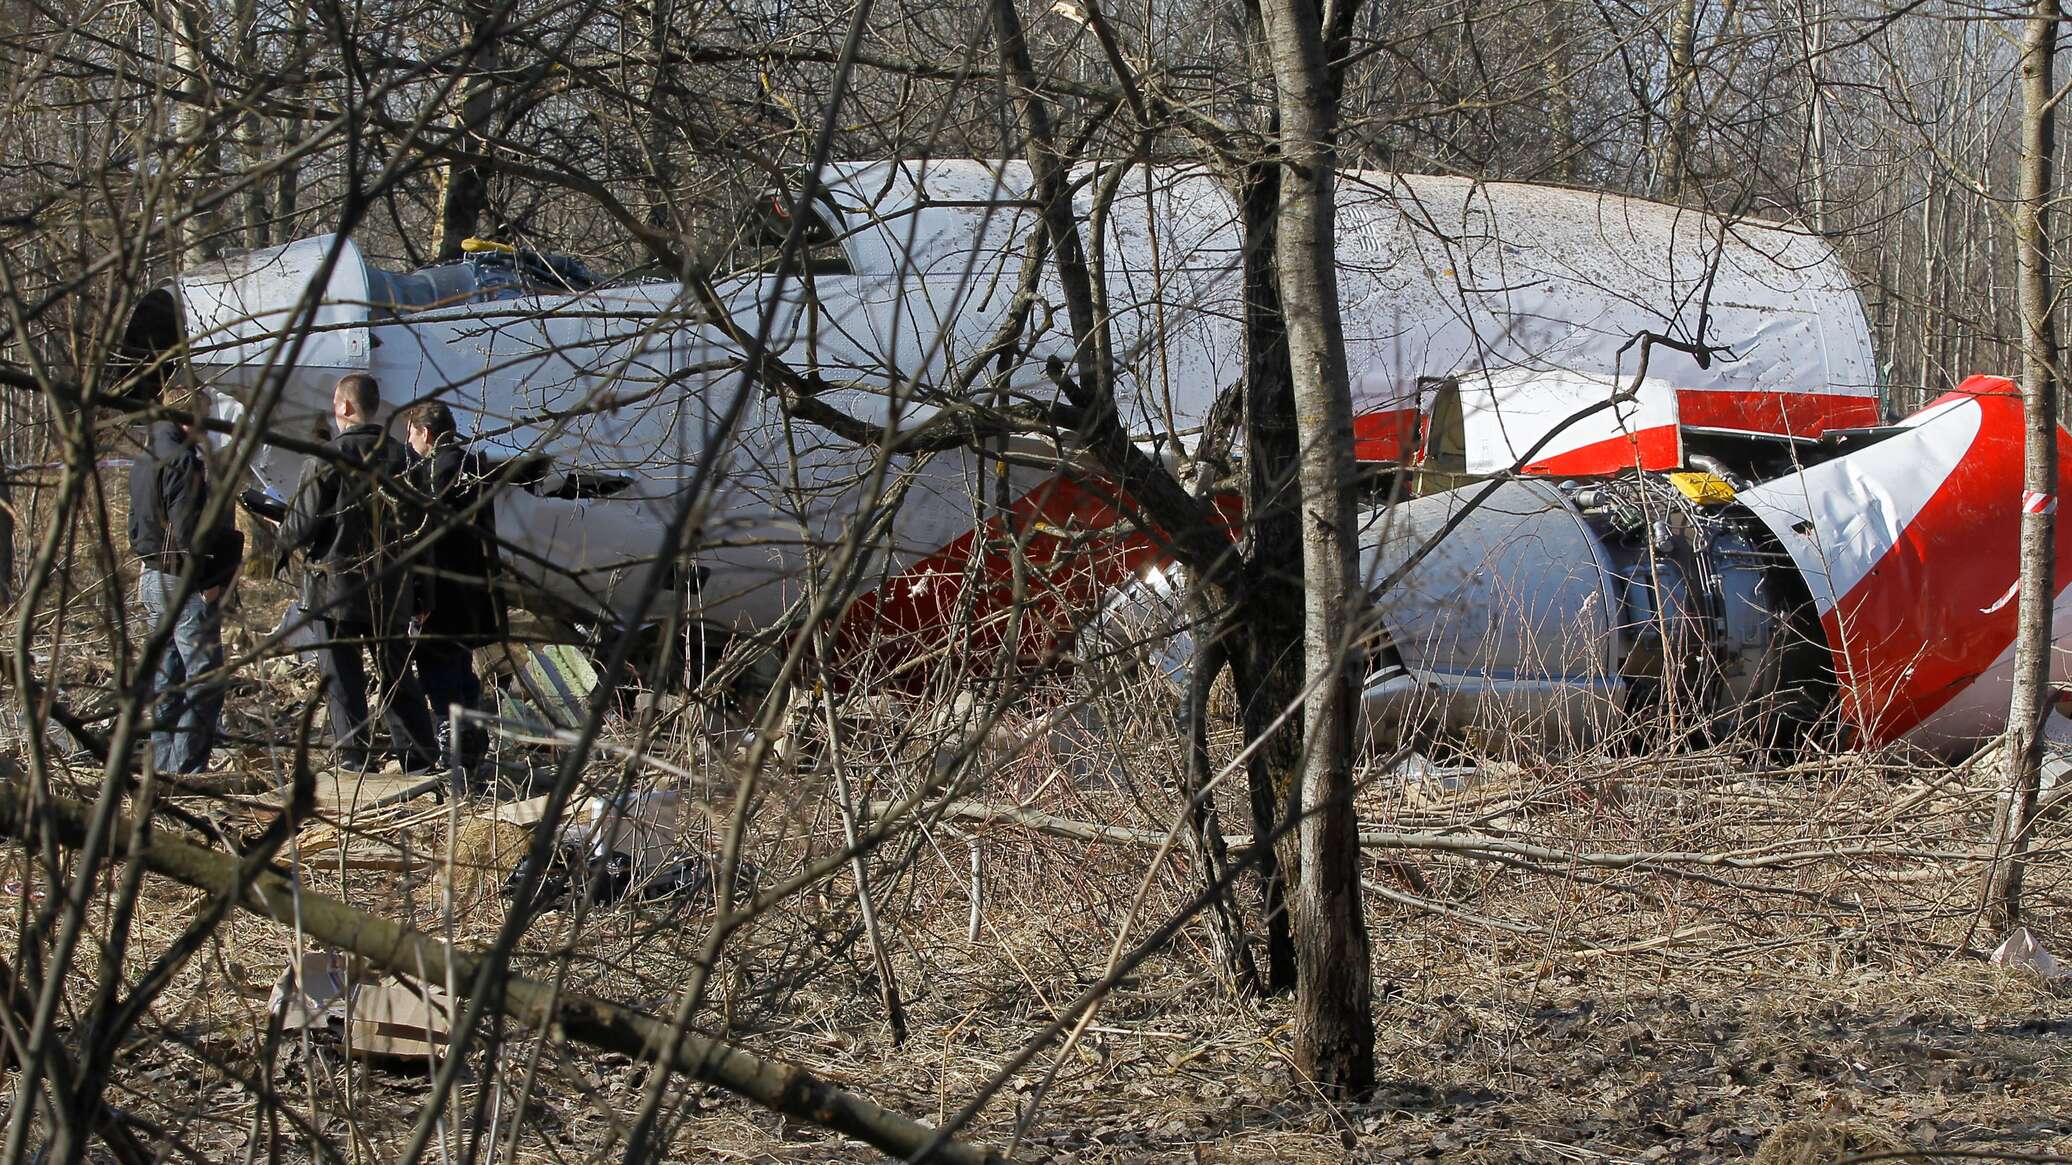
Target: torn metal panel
{"x": 1911, "y": 548}
{"x": 1557, "y": 424}
{"x": 629, "y": 844}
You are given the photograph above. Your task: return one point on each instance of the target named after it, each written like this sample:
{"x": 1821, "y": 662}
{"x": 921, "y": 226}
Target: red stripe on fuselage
{"x": 1784, "y": 414}
{"x": 1392, "y": 435}
{"x": 1657, "y": 449}
{"x": 1385, "y": 435}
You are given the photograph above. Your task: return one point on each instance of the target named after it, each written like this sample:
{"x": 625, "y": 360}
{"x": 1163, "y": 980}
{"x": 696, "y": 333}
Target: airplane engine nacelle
{"x": 1571, "y": 612}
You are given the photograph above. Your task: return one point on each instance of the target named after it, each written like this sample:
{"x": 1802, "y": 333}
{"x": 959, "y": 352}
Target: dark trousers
{"x": 446, "y": 671}
{"x": 402, "y": 700}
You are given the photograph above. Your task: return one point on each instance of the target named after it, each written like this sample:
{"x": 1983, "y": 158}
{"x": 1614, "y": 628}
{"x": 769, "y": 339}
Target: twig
{"x": 1467, "y": 844}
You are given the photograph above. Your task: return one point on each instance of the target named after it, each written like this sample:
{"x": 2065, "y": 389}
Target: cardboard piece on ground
{"x": 400, "y": 1017}
{"x": 342, "y": 793}
{"x": 642, "y": 826}
{"x": 389, "y": 1015}
{"x": 311, "y": 992}
{"x": 524, "y": 812}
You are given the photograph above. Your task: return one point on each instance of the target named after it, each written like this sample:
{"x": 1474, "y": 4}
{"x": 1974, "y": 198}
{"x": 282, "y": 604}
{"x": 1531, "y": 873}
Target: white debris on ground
{"x": 2021, "y": 949}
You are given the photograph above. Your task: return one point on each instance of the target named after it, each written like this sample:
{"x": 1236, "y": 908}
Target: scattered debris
{"x": 378, "y": 1015}
{"x": 629, "y": 845}
{"x": 557, "y": 679}
{"x": 2021, "y": 949}
{"x": 485, "y": 852}
{"x": 347, "y": 794}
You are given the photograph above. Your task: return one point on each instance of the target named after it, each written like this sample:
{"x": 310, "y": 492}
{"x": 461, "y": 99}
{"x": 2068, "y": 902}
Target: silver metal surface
{"x": 1505, "y": 624}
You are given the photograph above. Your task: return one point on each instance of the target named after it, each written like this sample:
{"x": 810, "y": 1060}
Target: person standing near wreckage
{"x": 458, "y": 606}
{"x": 170, "y": 492}
{"x": 347, "y": 520}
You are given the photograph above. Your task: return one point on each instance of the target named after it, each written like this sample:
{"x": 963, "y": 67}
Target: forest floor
{"x": 1655, "y": 959}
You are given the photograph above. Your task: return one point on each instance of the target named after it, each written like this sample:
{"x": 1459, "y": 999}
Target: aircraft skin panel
{"x": 1387, "y": 435}
{"x": 1438, "y": 277}
{"x": 1392, "y": 435}
{"x": 1458, "y": 275}
{"x": 1785, "y": 412}
{"x": 1911, "y": 547}
{"x": 237, "y": 308}
{"x": 1566, "y": 425}
{"x": 1658, "y": 447}
{"x": 1018, "y": 582}
{"x": 1517, "y": 588}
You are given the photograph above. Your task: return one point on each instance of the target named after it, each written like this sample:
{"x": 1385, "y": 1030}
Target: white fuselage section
{"x": 632, "y": 392}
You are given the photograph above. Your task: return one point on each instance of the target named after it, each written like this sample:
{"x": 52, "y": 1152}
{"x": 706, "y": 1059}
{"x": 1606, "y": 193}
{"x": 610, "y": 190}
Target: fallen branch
{"x": 1466, "y": 844}
{"x": 779, "y": 1086}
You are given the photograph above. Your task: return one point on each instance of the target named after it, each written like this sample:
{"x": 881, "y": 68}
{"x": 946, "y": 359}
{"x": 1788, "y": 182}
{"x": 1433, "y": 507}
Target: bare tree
{"x": 2040, "y": 388}
{"x": 1334, "y": 1029}
{"x": 464, "y": 184}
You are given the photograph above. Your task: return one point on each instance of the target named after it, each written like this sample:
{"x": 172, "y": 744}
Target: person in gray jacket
{"x": 170, "y": 491}
{"x": 351, "y": 526}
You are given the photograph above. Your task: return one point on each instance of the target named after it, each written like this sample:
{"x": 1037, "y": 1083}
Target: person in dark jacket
{"x": 169, "y": 495}
{"x": 348, "y": 521}
{"x": 458, "y": 606}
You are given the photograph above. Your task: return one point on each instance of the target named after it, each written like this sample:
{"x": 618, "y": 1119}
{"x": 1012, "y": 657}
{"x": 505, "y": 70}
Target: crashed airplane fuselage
{"x": 1862, "y": 582}
{"x": 1494, "y": 306}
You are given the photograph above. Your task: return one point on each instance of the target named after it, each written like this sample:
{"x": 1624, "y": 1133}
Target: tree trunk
{"x": 2029, "y": 704}
{"x": 6, "y": 521}
{"x": 1268, "y": 657}
{"x": 287, "y": 191}
{"x": 196, "y": 230}
{"x": 1334, "y": 1020}
{"x": 464, "y": 186}
{"x": 659, "y": 141}
{"x": 1204, "y": 829}
{"x": 251, "y": 133}
{"x": 1683, "y": 70}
